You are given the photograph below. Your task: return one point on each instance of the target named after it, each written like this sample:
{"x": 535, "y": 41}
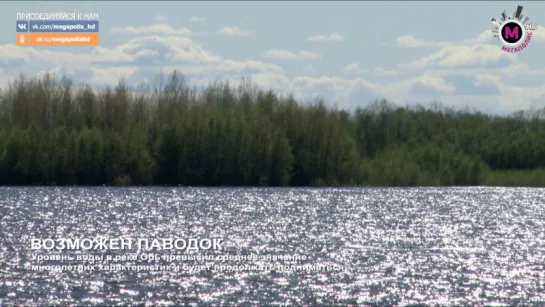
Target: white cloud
{"x": 153, "y": 51}
{"x": 379, "y": 71}
{"x": 478, "y": 55}
{"x": 463, "y": 56}
{"x": 408, "y": 41}
{"x": 160, "y": 18}
{"x": 519, "y": 97}
{"x": 250, "y": 65}
{"x": 137, "y": 59}
{"x": 343, "y": 92}
{"x": 447, "y": 87}
{"x": 314, "y": 82}
{"x": 332, "y": 89}
{"x": 354, "y": 68}
{"x": 309, "y": 55}
{"x": 162, "y": 29}
{"x": 484, "y": 37}
{"x": 278, "y": 82}
{"x": 197, "y": 19}
{"x": 233, "y": 31}
{"x": 520, "y": 69}
{"x": 452, "y": 69}
{"x": 326, "y": 38}
{"x": 288, "y": 55}
{"x": 431, "y": 82}
{"x": 487, "y": 79}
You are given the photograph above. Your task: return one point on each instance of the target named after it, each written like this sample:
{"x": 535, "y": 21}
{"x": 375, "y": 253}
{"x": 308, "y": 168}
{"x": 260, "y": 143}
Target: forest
{"x": 56, "y": 132}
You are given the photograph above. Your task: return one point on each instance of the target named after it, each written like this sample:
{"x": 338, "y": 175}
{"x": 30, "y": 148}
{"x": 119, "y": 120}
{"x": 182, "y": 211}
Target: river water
{"x": 383, "y": 246}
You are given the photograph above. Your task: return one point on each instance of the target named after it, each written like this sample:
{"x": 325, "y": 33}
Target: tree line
{"x": 56, "y": 132}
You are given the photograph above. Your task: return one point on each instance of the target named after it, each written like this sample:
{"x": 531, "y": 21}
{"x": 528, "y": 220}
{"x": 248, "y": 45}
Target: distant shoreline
{"x": 53, "y": 132}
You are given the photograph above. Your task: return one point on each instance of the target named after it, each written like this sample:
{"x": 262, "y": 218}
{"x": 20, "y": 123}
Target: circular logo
{"x": 512, "y": 33}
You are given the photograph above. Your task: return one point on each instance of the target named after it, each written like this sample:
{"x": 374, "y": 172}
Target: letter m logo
{"x": 511, "y": 33}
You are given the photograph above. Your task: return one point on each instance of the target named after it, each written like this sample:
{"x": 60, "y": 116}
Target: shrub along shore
{"x": 55, "y": 132}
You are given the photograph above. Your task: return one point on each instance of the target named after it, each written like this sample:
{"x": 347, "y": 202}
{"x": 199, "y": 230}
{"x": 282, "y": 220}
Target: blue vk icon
{"x": 22, "y": 26}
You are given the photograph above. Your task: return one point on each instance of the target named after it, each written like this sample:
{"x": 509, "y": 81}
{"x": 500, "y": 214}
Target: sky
{"x": 348, "y": 53}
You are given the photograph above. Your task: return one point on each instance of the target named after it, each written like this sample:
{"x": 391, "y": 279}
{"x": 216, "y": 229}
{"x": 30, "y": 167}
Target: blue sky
{"x": 349, "y": 53}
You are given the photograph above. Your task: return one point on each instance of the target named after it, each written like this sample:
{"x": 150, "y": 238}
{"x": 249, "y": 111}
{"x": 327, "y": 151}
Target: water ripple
{"x": 396, "y": 245}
